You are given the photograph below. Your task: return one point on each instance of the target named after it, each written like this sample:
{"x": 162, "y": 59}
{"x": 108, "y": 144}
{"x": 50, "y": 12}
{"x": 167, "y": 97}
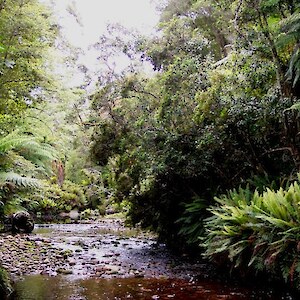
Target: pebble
{"x": 72, "y": 262}
{"x": 82, "y": 253}
{"x": 64, "y": 271}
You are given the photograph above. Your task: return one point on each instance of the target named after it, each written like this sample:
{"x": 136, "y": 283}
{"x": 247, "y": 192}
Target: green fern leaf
{"x": 18, "y": 180}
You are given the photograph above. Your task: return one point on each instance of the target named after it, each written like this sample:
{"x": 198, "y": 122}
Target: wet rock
{"x": 107, "y": 269}
{"x": 72, "y": 262}
{"x": 45, "y": 272}
{"x": 64, "y": 271}
{"x": 74, "y": 214}
{"x": 94, "y": 262}
{"x": 86, "y": 251}
{"x": 100, "y": 269}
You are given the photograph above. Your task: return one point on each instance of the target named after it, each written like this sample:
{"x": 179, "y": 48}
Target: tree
{"x": 27, "y": 35}
{"x": 27, "y": 32}
{"x": 211, "y": 117}
{"x": 290, "y": 39}
{"x": 265, "y": 16}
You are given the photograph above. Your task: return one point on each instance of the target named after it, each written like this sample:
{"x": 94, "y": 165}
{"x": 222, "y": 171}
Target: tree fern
{"x": 21, "y": 181}
{"x": 293, "y": 72}
{"x": 12, "y": 206}
{"x": 28, "y": 147}
{"x": 41, "y": 154}
{"x": 291, "y": 38}
{"x": 22, "y": 157}
{"x": 13, "y": 141}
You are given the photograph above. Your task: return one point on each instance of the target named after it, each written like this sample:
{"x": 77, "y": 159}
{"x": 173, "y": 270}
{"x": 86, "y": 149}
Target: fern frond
{"x": 291, "y": 25}
{"x": 25, "y": 182}
{"x": 13, "y": 141}
{"x": 295, "y": 106}
{"x": 12, "y": 206}
{"x": 290, "y": 38}
{"x": 294, "y": 66}
{"x": 28, "y": 147}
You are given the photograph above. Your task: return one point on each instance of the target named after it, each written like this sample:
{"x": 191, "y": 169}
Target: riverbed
{"x": 106, "y": 260}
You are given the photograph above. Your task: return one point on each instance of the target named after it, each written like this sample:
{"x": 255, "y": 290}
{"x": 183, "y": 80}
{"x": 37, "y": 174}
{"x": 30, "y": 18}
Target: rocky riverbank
{"x": 103, "y": 249}
{"x": 105, "y": 252}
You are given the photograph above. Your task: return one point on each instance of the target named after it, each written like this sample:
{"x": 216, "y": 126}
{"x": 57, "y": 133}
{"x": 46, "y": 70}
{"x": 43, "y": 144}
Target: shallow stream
{"x": 106, "y": 260}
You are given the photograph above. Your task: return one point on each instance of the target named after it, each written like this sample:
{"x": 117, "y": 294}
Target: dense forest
{"x": 204, "y": 149}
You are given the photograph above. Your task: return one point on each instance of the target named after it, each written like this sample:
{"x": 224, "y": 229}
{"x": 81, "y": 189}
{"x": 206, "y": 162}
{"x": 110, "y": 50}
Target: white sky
{"x": 95, "y": 15}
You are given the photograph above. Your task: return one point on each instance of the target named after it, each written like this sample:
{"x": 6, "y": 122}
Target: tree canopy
{"x": 27, "y": 33}
{"x": 216, "y": 113}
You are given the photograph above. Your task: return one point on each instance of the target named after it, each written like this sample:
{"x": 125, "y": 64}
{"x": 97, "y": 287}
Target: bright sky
{"x": 95, "y": 15}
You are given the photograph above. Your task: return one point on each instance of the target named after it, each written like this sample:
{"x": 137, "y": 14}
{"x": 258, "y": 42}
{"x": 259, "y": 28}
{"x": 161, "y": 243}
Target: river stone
{"x": 64, "y": 271}
{"x": 72, "y": 262}
{"x": 74, "y": 214}
{"x": 111, "y": 270}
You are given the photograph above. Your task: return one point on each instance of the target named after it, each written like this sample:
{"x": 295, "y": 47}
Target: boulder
{"x": 21, "y": 221}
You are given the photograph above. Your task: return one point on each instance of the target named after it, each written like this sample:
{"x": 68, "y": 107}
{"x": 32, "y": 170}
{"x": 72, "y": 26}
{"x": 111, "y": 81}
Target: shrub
{"x": 192, "y": 221}
{"x": 53, "y": 199}
{"x": 5, "y": 283}
{"x": 258, "y": 232}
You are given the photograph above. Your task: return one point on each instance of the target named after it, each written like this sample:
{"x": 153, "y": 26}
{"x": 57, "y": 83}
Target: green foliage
{"x": 24, "y": 159}
{"x": 259, "y": 232}
{"x": 6, "y": 288}
{"x": 27, "y": 33}
{"x": 51, "y": 200}
{"x": 213, "y": 116}
{"x": 18, "y": 180}
{"x": 104, "y": 143}
{"x": 192, "y": 221}
{"x": 290, "y": 38}
{"x": 17, "y": 145}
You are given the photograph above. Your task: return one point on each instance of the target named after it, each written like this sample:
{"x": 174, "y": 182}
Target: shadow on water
{"x": 49, "y": 288}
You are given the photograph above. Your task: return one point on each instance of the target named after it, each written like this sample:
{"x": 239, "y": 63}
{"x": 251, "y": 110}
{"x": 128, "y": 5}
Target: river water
{"x": 108, "y": 261}
{"x": 45, "y": 288}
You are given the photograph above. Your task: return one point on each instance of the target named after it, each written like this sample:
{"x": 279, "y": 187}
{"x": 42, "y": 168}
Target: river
{"x": 106, "y": 260}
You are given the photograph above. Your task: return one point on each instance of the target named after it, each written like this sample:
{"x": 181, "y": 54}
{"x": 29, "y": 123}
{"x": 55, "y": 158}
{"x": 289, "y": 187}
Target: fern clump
{"x": 53, "y": 199}
{"x": 24, "y": 160}
{"x": 192, "y": 221}
{"x": 259, "y": 232}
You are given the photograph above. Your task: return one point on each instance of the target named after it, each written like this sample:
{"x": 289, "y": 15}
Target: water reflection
{"x": 50, "y": 288}
{"x": 104, "y": 228}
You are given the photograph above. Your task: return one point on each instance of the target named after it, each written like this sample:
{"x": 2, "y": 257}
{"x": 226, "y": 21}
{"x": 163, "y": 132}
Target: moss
{"x": 5, "y": 284}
